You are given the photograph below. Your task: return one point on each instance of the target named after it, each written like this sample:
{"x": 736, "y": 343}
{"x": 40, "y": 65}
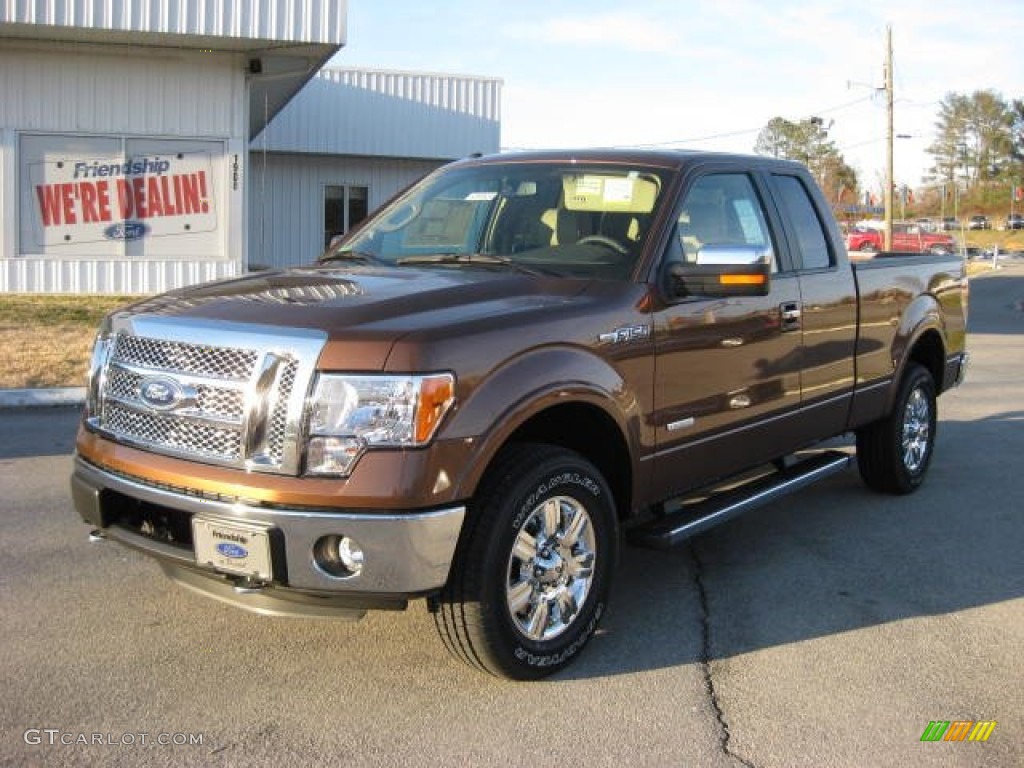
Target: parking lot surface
{"x": 828, "y": 629}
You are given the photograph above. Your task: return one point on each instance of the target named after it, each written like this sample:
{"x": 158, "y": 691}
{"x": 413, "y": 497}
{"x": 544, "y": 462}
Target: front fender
{"x": 529, "y": 384}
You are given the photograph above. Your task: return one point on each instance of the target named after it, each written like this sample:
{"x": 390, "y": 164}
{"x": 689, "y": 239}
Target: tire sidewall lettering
{"x": 557, "y": 659}
{"x": 560, "y": 480}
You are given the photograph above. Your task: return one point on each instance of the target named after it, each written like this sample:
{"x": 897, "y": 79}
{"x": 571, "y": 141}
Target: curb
{"x": 37, "y": 398}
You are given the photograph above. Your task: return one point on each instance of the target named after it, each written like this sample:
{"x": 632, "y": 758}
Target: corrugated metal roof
{"x": 285, "y": 42}
{"x": 298, "y": 21}
{"x": 381, "y": 113}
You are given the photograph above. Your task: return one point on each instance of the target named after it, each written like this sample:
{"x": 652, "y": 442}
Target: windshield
{"x": 552, "y": 218}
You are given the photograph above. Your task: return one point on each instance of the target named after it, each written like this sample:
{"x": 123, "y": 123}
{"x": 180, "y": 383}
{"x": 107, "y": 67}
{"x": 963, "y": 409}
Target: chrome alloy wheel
{"x": 916, "y": 431}
{"x": 551, "y": 568}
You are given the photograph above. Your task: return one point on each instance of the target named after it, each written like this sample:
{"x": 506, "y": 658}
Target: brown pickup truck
{"x": 517, "y": 362}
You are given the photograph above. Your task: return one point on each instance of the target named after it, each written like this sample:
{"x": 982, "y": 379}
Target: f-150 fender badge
{"x": 626, "y": 334}
{"x": 232, "y": 550}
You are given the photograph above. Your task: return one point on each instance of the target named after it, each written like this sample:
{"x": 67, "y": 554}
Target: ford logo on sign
{"x": 232, "y": 550}
{"x": 160, "y": 393}
{"x": 126, "y": 230}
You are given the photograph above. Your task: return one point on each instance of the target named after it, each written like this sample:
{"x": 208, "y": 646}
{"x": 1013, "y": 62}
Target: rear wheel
{"x": 893, "y": 454}
{"x": 531, "y": 577}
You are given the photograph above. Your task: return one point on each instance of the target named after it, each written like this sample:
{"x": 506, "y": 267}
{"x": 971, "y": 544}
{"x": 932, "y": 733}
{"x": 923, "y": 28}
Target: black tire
{"x": 527, "y": 587}
{"x": 893, "y": 453}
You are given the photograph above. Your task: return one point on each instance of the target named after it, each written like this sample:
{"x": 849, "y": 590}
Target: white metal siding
{"x": 389, "y": 114}
{"x": 133, "y": 91}
{"x": 286, "y": 205}
{"x": 307, "y": 21}
{"x": 30, "y": 275}
{"x": 118, "y": 92}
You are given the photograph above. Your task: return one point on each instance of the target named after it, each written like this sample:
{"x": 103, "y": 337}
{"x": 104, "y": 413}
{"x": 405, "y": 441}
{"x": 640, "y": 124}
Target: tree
{"x": 1016, "y": 170}
{"x": 807, "y": 142}
{"x": 974, "y": 138}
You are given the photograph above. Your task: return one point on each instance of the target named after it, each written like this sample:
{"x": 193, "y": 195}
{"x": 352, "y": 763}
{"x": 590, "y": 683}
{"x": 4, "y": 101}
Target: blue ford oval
{"x": 160, "y": 392}
{"x": 232, "y": 550}
{"x": 126, "y": 230}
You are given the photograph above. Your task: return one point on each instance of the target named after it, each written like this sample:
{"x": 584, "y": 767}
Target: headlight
{"x": 352, "y": 413}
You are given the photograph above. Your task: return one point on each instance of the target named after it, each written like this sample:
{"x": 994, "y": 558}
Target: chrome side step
{"x": 673, "y": 529}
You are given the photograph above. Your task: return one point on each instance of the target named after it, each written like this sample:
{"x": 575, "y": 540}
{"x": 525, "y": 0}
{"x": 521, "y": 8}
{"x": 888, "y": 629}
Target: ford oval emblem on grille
{"x": 160, "y": 392}
{"x": 232, "y": 550}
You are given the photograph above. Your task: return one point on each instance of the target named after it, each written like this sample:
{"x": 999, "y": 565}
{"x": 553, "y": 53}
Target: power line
{"x": 727, "y": 134}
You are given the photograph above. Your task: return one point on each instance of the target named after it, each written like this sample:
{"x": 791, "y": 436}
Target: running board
{"x": 673, "y": 529}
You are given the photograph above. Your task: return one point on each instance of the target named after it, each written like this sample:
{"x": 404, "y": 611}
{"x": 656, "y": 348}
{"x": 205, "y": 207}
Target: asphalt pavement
{"x": 827, "y": 629}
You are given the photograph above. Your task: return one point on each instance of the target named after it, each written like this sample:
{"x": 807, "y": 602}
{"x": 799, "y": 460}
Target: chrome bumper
{"x": 405, "y": 555}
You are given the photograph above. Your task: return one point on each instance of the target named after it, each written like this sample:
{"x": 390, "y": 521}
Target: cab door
{"x": 726, "y": 367}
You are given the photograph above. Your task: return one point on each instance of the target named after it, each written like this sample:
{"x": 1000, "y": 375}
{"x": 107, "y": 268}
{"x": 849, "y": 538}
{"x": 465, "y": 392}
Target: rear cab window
{"x": 809, "y": 244}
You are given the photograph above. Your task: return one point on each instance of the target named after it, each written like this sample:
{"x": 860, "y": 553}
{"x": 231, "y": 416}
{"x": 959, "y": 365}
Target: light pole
{"x": 888, "y": 138}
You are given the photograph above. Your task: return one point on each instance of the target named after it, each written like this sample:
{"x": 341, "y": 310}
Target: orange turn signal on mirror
{"x": 742, "y": 279}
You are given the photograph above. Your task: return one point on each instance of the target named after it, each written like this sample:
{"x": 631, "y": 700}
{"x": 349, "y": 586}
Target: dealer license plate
{"x": 233, "y": 546}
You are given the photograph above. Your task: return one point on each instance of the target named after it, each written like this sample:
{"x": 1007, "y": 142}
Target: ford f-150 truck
{"x": 515, "y": 363}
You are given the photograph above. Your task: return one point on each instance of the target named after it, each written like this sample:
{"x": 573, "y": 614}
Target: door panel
{"x": 723, "y": 364}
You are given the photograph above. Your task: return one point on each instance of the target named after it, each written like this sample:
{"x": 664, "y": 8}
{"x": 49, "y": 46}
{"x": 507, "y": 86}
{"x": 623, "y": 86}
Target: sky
{"x": 706, "y": 75}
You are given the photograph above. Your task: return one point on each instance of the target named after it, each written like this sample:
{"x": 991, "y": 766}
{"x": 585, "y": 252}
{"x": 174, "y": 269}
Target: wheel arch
{"x": 588, "y": 430}
{"x": 920, "y": 339}
{"x": 929, "y": 351}
{"x": 560, "y": 396}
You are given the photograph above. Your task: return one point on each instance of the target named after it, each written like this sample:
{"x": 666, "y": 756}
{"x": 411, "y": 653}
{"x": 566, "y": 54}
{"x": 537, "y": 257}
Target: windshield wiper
{"x": 358, "y": 256}
{"x": 475, "y": 258}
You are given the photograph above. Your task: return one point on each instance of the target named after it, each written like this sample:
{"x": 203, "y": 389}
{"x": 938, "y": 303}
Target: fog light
{"x": 339, "y": 556}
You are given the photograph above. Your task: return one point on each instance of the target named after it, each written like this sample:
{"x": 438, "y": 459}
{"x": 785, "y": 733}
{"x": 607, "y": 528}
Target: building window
{"x": 344, "y": 207}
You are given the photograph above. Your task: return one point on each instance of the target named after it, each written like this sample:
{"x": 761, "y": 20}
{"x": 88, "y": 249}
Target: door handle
{"x": 790, "y": 314}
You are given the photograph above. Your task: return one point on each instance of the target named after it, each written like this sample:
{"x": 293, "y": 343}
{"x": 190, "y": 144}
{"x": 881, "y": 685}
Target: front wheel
{"x": 893, "y": 453}
{"x": 531, "y": 576}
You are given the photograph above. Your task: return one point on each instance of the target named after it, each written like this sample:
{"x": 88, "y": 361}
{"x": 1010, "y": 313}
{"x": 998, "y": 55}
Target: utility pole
{"x": 888, "y": 138}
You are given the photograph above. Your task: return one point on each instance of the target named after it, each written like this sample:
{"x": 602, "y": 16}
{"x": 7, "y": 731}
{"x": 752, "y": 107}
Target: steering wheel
{"x": 604, "y": 240}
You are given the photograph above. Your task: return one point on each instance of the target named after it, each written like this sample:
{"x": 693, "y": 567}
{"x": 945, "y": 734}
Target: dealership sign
{"x": 88, "y": 199}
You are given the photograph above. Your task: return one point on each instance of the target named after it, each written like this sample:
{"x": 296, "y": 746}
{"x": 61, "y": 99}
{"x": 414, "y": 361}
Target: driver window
{"x": 722, "y": 209}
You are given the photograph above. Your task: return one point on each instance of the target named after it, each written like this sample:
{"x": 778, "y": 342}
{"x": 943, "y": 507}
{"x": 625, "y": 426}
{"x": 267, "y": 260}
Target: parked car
{"x": 950, "y": 223}
{"x": 1014, "y": 221}
{"x": 979, "y": 222}
{"x": 905, "y": 238}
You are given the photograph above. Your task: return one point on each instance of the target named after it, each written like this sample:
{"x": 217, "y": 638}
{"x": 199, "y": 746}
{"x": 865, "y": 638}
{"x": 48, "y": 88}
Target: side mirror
{"x": 724, "y": 270}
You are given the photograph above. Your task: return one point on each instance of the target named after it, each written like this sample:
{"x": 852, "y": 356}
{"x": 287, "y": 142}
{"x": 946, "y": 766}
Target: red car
{"x": 904, "y": 238}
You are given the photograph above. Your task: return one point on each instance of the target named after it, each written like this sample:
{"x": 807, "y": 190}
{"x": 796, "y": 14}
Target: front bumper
{"x": 405, "y": 554}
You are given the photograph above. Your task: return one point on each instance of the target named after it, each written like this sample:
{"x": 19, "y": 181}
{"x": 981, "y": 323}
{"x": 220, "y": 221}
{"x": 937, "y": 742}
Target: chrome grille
{"x": 174, "y": 433}
{"x": 279, "y": 417}
{"x": 237, "y": 402}
{"x": 220, "y": 402}
{"x": 216, "y": 362}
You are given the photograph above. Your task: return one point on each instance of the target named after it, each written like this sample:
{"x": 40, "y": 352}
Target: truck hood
{"x": 372, "y": 307}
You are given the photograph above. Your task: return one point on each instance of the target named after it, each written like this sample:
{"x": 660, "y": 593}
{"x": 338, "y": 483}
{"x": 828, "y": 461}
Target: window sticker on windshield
{"x": 618, "y": 190}
{"x": 481, "y": 196}
{"x": 588, "y": 185}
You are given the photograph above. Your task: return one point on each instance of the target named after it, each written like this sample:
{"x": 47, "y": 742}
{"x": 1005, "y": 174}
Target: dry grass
{"x": 45, "y": 340}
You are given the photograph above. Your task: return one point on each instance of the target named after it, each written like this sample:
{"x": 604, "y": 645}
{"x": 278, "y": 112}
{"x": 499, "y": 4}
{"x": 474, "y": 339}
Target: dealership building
{"x": 147, "y": 144}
